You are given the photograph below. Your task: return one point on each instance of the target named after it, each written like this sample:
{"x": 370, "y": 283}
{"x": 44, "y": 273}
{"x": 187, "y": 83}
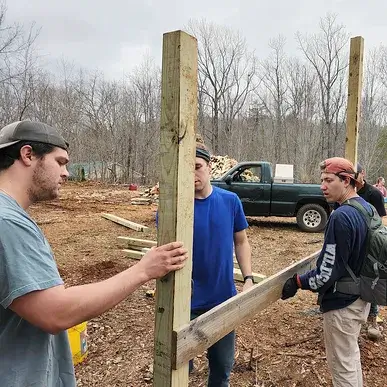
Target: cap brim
{"x": 7, "y": 144}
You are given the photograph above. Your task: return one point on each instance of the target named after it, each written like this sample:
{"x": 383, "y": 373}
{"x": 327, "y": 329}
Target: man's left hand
{"x": 290, "y": 287}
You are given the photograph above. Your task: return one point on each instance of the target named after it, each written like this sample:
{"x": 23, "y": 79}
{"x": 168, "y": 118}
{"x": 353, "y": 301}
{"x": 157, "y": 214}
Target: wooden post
{"x": 176, "y": 200}
{"x": 355, "y": 84}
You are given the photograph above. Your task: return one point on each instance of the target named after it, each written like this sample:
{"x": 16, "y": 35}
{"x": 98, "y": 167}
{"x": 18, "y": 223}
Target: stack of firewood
{"x": 149, "y": 196}
{"x": 141, "y": 201}
{"x": 220, "y": 165}
{"x": 248, "y": 175}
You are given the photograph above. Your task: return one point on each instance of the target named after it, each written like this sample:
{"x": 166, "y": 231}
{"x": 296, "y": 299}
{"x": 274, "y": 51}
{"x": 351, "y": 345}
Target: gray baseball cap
{"x": 31, "y": 131}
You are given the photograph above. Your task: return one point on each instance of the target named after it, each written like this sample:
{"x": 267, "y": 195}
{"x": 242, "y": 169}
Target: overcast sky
{"x": 113, "y": 36}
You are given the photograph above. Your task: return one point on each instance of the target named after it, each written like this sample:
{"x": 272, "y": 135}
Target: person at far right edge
{"x": 344, "y": 243}
{"x": 373, "y": 196}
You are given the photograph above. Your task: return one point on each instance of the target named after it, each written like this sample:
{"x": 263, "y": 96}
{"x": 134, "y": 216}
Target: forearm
{"x": 81, "y": 303}
{"x": 58, "y": 308}
{"x": 243, "y": 256}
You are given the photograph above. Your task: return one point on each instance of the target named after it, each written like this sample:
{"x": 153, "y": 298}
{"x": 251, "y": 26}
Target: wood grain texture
{"x": 355, "y": 84}
{"x": 176, "y": 199}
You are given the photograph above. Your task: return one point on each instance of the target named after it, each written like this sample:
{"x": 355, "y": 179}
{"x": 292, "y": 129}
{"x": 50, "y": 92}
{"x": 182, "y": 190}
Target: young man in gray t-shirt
{"x": 35, "y": 307}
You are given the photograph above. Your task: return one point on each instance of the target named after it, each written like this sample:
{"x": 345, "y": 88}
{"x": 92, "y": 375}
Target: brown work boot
{"x": 373, "y": 330}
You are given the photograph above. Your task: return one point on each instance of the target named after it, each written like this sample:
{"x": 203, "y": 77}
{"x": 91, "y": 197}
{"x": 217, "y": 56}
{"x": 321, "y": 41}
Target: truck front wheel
{"x": 312, "y": 218}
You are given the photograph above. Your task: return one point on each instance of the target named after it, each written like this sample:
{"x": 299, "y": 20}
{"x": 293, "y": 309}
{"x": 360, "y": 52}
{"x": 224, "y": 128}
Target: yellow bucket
{"x": 78, "y": 342}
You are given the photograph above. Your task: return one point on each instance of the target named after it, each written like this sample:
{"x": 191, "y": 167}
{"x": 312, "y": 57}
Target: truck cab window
{"x": 248, "y": 175}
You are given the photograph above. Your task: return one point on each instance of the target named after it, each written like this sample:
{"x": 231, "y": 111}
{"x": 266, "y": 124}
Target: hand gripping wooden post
{"x": 177, "y": 161}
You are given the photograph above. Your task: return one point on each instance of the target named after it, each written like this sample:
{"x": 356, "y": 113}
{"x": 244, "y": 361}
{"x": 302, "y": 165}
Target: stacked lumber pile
{"x": 136, "y": 248}
{"x": 141, "y": 201}
{"x": 220, "y": 165}
{"x": 248, "y": 175}
{"x": 150, "y": 195}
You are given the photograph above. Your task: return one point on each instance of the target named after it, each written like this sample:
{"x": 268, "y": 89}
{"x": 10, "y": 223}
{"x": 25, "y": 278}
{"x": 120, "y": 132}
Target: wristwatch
{"x": 245, "y": 278}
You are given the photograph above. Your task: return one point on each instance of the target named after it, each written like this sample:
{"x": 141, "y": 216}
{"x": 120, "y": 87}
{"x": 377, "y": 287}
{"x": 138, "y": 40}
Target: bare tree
{"x": 373, "y": 113}
{"x": 146, "y": 85}
{"x": 274, "y": 97}
{"x": 24, "y": 84}
{"x": 15, "y": 41}
{"x": 326, "y": 52}
{"x": 226, "y": 74}
{"x": 18, "y": 73}
{"x": 302, "y": 122}
{"x": 281, "y": 109}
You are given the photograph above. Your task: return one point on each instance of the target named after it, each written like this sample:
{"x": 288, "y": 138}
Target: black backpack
{"x": 371, "y": 284}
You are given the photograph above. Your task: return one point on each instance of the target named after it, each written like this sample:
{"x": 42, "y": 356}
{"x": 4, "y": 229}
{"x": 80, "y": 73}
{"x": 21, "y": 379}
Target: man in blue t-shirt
{"x": 219, "y": 226}
{"x": 344, "y": 243}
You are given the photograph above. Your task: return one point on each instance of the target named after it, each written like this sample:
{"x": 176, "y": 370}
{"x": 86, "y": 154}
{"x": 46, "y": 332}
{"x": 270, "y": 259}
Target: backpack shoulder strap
{"x": 366, "y": 215}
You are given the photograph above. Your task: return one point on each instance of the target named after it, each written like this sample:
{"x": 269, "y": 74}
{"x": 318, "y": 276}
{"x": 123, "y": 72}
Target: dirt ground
{"x": 282, "y": 346}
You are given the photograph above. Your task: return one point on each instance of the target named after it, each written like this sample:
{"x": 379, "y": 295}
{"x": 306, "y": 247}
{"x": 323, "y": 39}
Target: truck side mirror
{"x": 228, "y": 180}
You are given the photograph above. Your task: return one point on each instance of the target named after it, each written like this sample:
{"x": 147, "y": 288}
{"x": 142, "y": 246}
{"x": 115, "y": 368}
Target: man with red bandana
{"x": 344, "y": 243}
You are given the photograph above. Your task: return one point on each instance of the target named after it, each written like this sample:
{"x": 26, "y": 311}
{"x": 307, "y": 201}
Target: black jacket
{"x": 373, "y": 196}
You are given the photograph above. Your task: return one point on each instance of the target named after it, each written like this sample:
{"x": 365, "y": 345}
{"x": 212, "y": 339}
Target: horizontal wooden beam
{"x": 138, "y": 242}
{"x": 195, "y": 337}
{"x": 125, "y": 222}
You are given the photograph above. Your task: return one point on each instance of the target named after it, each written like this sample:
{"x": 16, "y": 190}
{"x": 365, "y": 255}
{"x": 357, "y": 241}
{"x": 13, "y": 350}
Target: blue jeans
{"x": 220, "y": 359}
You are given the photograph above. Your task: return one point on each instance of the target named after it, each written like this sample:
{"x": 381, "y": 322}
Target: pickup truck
{"x": 253, "y": 182}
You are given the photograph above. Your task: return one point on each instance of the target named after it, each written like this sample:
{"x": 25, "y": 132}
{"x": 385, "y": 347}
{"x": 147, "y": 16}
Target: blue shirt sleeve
{"x": 240, "y": 222}
{"x": 338, "y": 244}
{"x": 26, "y": 261}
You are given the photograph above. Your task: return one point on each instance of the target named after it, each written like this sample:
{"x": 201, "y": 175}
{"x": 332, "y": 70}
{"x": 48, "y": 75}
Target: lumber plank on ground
{"x": 198, "y": 335}
{"x": 138, "y": 242}
{"x": 125, "y": 222}
{"x": 141, "y": 201}
{"x": 138, "y": 199}
{"x": 134, "y": 254}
